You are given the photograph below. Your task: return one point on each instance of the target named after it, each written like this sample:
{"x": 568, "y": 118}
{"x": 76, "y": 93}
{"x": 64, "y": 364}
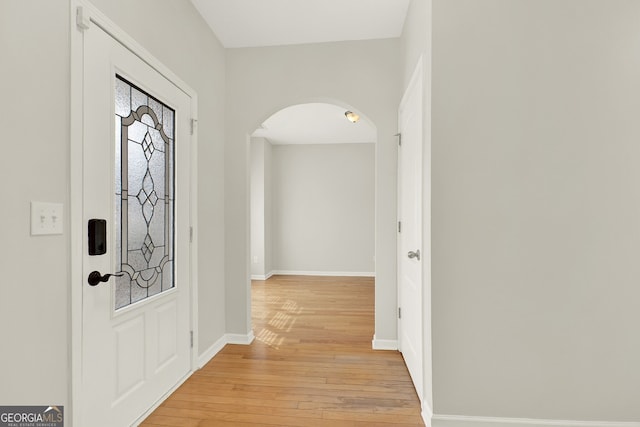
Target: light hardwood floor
{"x": 311, "y": 364}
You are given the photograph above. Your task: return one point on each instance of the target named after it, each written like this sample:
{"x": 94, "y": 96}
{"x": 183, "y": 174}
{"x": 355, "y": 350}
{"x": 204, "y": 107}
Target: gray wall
{"x": 260, "y": 208}
{"x": 34, "y": 293}
{"x": 536, "y": 230}
{"x": 268, "y": 207}
{"x": 34, "y": 300}
{"x": 416, "y": 37}
{"x": 261, "y": 81}
{"x": 323, "y": 208}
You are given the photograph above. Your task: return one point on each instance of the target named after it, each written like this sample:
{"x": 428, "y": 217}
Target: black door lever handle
{"x": 95, "y": 277}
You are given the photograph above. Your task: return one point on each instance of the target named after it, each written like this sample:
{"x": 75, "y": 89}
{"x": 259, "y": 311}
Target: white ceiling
{"x": 252, "y": 23}
{"x": 315, "y": 123}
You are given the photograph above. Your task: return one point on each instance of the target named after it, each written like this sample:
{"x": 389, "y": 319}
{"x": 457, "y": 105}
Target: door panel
{"x": 167, "y": 341}
{"x": 136, "y": 327}
{"x": 410, "y": 236}
{"x": 129, "y": 337}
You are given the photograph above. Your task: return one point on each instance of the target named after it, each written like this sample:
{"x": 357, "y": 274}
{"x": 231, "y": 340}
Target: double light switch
{"x": 46, "y": 218}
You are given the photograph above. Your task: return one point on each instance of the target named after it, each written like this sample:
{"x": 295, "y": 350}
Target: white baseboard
{"x": 262, "y": 276}
{"x": 240, "y": 339}
{"x": 468, "y": 421}
{"x": 215, "y": 348}
{"x": 324, "y": 273}
{"x": 377, "y": 344}
{"x": 427, "y": 415}
{"x": 209, "y": 353}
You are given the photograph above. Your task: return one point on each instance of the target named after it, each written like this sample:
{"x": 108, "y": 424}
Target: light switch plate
{"x": 46, "y": 218}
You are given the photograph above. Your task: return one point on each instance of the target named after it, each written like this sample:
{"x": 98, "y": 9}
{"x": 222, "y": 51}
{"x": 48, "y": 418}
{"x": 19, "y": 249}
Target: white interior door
{"x": 410, "y": 252}
{"x": 136, "y": 328}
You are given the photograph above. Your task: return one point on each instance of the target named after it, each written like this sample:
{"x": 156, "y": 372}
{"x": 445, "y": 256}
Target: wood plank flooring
{"x": 311, "y": 364}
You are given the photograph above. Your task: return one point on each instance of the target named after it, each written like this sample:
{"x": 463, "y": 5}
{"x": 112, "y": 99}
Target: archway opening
{"x": 312, "y": 198}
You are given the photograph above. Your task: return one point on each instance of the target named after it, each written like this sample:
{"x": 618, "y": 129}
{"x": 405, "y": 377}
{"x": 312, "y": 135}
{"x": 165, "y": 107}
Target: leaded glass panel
{"x": 144, "y": 199}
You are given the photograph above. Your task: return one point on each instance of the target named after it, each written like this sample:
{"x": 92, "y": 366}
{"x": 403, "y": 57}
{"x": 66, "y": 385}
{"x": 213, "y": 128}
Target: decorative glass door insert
{"x": 144, "y": 194}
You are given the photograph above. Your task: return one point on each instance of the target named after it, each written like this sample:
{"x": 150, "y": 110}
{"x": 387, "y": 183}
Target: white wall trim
{"x": 377, "y": 344}
{"x": 427, "y": 414}
{"x": 217, "y": 346}
{"x": 240, "y": 339}
{"x": 262, "y": 276}
{"x": 470, "y": 421}
{"x": 211, "y": 352}
{"x": 324, "y": 273}
{"x": 76, "y": 114}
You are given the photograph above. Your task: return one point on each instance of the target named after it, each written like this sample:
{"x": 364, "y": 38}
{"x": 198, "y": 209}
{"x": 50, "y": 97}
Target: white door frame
{"x": 414, "y": 84}
{"x": 83, "y": 14}
{"x": 422, "y": 75}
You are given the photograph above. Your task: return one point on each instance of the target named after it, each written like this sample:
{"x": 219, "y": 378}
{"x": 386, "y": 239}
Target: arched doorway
{"x": 312, "y": 197}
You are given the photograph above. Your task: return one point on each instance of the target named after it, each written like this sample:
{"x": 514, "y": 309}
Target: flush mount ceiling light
{"x": 351, "y": 116}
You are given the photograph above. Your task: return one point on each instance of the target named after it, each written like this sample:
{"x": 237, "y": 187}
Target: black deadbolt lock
{"x": 97, "y": 237}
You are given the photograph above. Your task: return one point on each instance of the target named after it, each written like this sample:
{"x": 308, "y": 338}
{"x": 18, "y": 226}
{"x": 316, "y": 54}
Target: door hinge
{"x": 399, "y": 312}
{"x": 399, "y": 135}
{"x": 82, "y": 20}
{"x": 399, "y": 226}
{"x": 191, "y": 234}
{"x": 191, "y": 338}
{"x": 194, "y": 124}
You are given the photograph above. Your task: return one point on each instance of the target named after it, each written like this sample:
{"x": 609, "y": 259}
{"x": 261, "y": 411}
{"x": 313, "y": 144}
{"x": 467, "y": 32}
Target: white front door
{"x": 135, "y": 327}
{"x": 410, "y": 251}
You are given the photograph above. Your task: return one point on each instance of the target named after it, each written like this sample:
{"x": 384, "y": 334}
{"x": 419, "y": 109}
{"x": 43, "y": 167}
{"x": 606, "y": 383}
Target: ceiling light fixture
{"x": 351, "y": 116}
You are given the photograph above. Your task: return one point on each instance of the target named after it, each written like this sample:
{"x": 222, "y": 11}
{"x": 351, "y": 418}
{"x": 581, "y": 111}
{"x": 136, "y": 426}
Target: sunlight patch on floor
{"x": 270, "y": 338}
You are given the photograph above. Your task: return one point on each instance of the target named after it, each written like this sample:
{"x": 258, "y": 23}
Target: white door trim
{"x": 415, "y": 84}
{"x": 84, "y": 13}
{"x": 473, "y": 421}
